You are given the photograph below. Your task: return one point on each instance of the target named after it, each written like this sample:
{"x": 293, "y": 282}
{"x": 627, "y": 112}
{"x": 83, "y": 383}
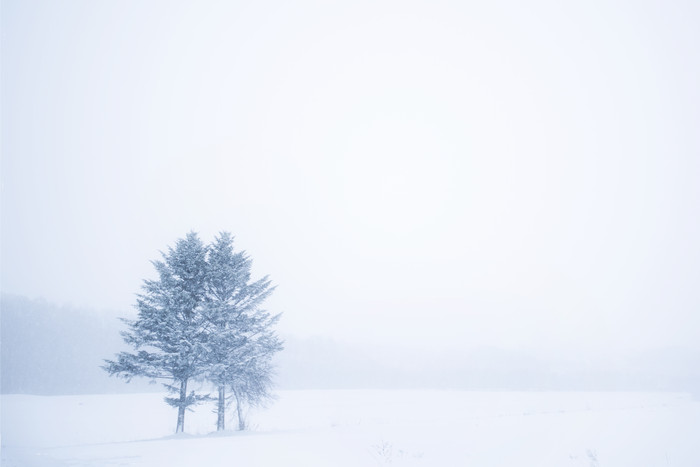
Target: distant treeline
{"x": 50, "y": 349}
{"x": 47, "y": 349}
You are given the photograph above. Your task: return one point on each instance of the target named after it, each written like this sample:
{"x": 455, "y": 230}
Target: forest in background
{"x": 49, "y": 350}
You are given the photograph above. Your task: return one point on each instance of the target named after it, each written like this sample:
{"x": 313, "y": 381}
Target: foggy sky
{"x": 444, "y": 174}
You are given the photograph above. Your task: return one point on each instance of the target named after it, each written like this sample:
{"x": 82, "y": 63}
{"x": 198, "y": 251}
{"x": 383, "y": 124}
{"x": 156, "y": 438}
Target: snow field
{"x": 361, "y": 428}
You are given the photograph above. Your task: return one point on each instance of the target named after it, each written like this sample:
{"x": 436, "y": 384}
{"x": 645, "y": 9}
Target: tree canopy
{"x": 201, "y": 320}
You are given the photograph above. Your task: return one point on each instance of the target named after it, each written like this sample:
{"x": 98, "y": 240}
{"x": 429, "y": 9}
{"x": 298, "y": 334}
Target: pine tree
{"x": 241, "y": 339}
{"x": 201, "y": 319}
{"x": 251, "y": 384}
{"x": 171, "y": 333}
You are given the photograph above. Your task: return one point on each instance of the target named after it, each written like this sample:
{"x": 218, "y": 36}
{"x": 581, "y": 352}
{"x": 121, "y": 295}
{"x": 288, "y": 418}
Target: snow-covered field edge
{"x": 361, "y": 427}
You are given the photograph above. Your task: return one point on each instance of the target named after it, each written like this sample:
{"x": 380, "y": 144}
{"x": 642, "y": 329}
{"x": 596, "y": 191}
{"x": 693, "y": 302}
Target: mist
{"x": 511, "y": 191}
{"x": 52, "y": 350}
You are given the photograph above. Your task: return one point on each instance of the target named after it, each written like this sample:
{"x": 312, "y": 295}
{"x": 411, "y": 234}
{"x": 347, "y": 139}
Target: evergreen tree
{"x": 201, "y": 319}
{"x": 171, "y": 333}
{"x": 251, "y": 384}
{"x": 241, "y": 339}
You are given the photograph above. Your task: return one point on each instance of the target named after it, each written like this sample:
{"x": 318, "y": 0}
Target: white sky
{"x": 422, "y": 173}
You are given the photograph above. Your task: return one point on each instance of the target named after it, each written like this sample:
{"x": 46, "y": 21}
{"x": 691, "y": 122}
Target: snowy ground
{"x": 361, "y": 428}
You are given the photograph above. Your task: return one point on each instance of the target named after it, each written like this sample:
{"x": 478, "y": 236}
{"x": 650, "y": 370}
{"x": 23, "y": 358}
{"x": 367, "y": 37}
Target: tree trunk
{"x": 181, "y": 408}
{"x": 239, "y": 411}
{"x": 221, "y": 415}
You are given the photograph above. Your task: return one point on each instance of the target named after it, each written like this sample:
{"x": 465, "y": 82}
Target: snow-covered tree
{"x": 201, "y": 319}
{"x": 241, "y": 337}
{"x": 171, "y": 332}
{"x": 251, "y": 384}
